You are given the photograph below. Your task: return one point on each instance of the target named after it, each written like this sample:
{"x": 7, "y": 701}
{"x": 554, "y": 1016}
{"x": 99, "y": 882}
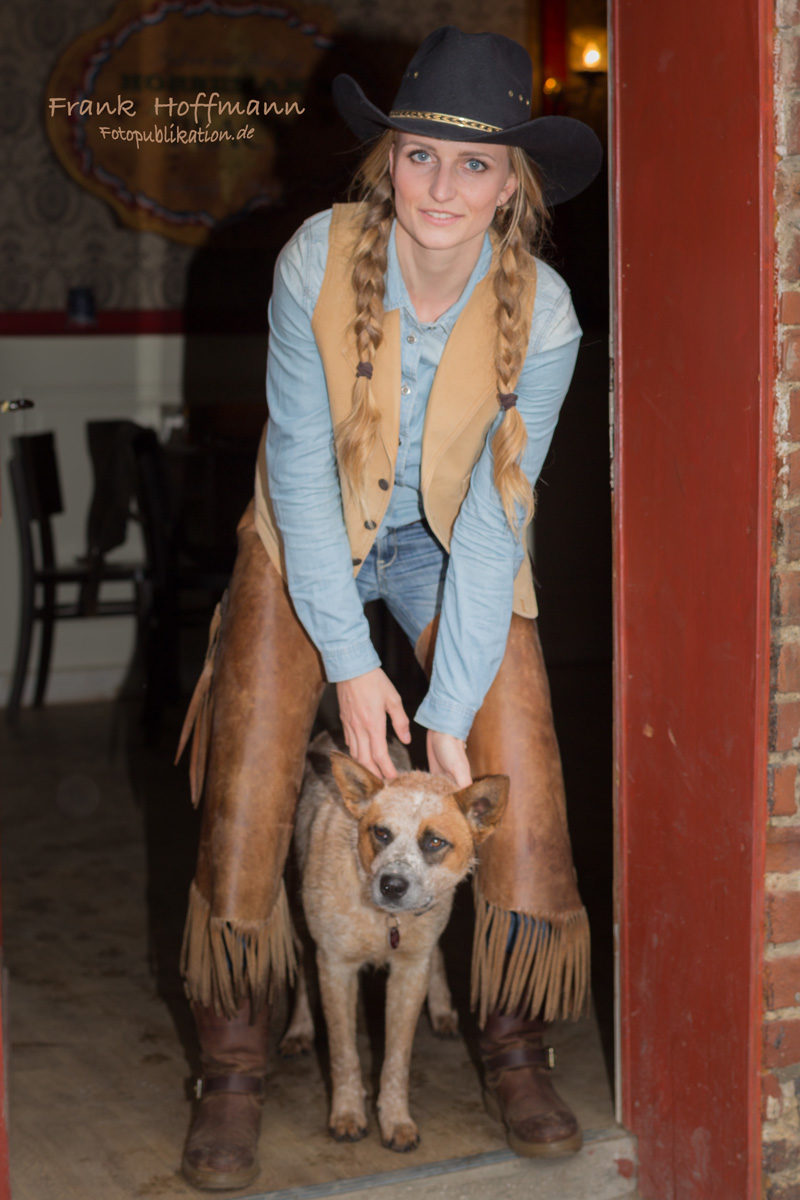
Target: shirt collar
{"x": 397, "y": 296}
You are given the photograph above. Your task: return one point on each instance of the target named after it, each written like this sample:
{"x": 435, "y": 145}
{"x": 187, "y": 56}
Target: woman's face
{"x": 446, "y": 192}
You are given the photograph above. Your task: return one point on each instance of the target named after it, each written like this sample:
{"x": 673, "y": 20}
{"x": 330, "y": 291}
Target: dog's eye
{"x": 381, "y": 834}
{"x": 432, "y": 843}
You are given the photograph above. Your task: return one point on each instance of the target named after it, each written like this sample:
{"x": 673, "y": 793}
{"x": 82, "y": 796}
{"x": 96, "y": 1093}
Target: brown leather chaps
{"x": 251, "y": 715}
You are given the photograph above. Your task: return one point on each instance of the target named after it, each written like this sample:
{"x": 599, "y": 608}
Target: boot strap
{"x": 521, "y": 1055}
{"x": 239, "y": 1084}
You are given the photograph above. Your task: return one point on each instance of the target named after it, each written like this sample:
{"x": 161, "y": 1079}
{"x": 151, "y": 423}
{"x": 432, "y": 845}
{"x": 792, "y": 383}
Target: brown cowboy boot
{"x": 220, "y": 1150}
{"x": 519, "y": 1092}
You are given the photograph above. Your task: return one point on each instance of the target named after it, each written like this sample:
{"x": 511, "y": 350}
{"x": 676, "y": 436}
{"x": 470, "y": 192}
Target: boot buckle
{"x": 509, "y": 1059}
{"x": 235, "y": 1084}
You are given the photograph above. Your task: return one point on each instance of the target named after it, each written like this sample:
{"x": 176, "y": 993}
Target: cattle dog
{"x": 380, "y": 861}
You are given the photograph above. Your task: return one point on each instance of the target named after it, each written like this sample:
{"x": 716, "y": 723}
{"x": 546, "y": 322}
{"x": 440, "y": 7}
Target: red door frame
{"x": 5, "y": 1177}
{"x": 692, "y": 167}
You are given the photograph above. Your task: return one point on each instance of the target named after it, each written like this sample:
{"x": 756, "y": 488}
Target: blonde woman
{"x": 418, "y": 357}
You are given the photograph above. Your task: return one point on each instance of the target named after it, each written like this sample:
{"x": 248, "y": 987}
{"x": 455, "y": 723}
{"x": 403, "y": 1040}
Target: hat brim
{"x": 567, "y": 152}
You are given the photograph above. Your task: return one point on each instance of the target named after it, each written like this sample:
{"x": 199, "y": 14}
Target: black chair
{"x": 37, "y": 498}
{"x": 187, "y": 580}
{"x": 178, "y": 567}
{"x": 112, "y": 507}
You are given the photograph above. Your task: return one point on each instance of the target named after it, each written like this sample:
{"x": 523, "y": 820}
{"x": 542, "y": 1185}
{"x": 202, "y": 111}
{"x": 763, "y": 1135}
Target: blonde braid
{"x": 522, "y": 226}
{"x": 357, "y": 434}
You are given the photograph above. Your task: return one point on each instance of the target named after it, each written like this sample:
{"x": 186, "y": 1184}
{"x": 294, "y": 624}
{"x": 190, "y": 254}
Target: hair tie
{"x": 507, "y": 400}
{"x": 364, "y": 369}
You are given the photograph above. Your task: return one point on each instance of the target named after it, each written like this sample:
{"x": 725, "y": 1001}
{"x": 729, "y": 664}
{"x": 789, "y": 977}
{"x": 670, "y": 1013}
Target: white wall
{"x": 73, "y": 379}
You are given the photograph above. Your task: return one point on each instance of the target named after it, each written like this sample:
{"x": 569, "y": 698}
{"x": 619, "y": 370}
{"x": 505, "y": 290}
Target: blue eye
{"x": 475, "y": 165}
{"x": 414, "y": 155}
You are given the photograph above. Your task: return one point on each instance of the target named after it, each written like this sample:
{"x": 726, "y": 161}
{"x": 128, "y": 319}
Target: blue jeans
{"x": 405, "y": 568}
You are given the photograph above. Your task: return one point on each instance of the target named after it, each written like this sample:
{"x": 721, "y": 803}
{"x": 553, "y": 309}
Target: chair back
{"x": 37, "y": 493}
{"x": 110, "y": 445}
{"x": 36, "y": 453}
{"x": 154, "y": 504}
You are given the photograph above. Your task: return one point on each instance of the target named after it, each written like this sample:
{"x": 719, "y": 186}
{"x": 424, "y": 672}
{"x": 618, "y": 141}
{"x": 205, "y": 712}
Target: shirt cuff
{"x": 445, "y": 716}
{"x": 345, "y": 662}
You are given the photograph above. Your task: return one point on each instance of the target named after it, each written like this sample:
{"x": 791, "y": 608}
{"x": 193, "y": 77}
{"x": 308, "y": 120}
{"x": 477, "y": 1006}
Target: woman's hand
{"x": 447, "y": 755}
{"x": 363, "y": 705}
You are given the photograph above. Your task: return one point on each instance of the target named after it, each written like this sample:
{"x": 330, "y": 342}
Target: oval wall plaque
{"x": 167, "y": 111}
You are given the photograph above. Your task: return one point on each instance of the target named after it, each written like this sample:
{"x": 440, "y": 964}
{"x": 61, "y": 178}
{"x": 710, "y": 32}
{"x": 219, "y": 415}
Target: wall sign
{"x": 168, "y": 111}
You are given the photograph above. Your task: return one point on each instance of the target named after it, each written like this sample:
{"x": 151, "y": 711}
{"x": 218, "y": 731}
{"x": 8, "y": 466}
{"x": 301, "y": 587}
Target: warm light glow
{"x": 587, "y": 50}
{"x": 551, "y": 86}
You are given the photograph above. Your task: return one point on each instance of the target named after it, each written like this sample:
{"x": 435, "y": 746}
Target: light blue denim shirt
{"x": 305, "y": 491}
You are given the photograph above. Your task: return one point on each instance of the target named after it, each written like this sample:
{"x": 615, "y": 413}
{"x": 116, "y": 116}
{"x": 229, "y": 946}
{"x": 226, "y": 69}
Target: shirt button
{"x": 405, "y": 389}
{"x": 356, "y": 562}
{"x": 383, "y": 484}
{"x": 412, "y": 337}
{"x": 369, "y": 525}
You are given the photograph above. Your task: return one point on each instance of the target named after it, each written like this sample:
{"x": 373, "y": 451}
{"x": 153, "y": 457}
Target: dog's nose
{"x": 393, "y": 886}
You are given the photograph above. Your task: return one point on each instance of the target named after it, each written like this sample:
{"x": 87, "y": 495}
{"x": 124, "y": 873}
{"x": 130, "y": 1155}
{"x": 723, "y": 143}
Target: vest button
{"x": 356, "y": 562}
{"x": 369, "y": 525}
{"x": 383, "y": 484}
{"x": 405, "y": 389}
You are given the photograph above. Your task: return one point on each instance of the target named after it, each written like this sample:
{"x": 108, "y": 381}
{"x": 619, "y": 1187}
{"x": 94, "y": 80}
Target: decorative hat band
{"x": 445, "y": 119}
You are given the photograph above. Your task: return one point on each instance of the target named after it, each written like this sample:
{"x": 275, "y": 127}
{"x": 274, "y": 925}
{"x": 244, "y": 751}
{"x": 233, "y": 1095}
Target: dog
{"x": 380, "y": 861}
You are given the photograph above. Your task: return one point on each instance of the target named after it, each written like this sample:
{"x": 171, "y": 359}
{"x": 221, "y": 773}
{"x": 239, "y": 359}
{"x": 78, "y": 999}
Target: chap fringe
{"x": 226, "y": 962}
{"x": 546, "y": 971}
{"x": 197, "y": 722}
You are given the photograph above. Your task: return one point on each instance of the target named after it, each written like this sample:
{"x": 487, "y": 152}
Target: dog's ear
{"x": 483, "y": 804}
{"x": 356, "y": 784}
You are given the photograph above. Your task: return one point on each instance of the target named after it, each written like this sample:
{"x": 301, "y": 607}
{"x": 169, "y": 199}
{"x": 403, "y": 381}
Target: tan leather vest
{"x": 461, "y": 406}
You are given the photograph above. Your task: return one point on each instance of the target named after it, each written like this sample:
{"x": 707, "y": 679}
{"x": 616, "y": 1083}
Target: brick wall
{"x": 781, "y": 981}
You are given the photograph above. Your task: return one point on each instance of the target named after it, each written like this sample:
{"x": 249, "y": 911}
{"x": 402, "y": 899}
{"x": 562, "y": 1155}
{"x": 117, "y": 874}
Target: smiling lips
{"x": 439, "y": 217}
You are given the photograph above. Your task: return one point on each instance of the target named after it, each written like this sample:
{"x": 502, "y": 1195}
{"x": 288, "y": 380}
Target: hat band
{"x": 446, "y": 119}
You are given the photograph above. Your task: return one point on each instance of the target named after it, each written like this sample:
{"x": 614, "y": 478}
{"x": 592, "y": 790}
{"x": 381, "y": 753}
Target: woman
{"x": 418, "y": 358}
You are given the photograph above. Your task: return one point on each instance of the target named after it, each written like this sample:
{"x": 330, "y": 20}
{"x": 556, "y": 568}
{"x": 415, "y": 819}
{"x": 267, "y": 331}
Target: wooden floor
{"x": 97, "y": 847}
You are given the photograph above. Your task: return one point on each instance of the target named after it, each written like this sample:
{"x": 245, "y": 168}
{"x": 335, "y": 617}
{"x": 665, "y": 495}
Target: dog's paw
{"x": 445, "y": 1024}
{"x": 295, "y": 1043}
{"x": 404, "y": 1137}
{"x": 348, "y": 1127}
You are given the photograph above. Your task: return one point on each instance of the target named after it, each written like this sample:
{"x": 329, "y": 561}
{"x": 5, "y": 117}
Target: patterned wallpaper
{"x": 54, "y": 235}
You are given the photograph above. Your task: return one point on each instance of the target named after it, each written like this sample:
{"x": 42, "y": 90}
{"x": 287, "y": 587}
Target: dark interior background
{"x": 55, "y": 235}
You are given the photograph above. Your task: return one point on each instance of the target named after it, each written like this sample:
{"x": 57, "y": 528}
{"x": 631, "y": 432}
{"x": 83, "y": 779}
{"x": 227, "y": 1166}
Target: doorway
{"x": 81, "y": 804}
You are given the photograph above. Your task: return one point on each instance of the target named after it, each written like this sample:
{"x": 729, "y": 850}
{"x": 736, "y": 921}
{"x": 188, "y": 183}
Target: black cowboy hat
{"x": 476, "y": 87}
